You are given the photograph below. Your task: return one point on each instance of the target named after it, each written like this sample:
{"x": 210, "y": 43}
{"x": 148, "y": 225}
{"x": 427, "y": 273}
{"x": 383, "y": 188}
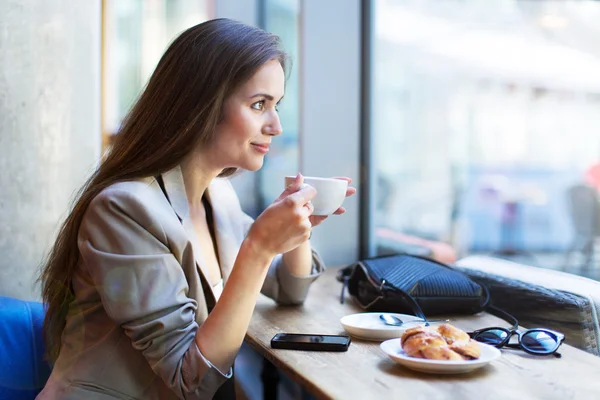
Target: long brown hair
{"x": 178, "y": 111}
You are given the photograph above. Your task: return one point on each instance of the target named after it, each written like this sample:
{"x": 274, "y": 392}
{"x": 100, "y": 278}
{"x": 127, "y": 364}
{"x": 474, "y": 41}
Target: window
{"x": 281, "y": 17}
{"x": 135, "y": 35}
{"x": 483, "y": 116}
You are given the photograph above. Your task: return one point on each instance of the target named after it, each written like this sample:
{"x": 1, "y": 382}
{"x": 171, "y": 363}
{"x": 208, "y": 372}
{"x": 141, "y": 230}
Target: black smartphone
{"x": 300, "y": 341}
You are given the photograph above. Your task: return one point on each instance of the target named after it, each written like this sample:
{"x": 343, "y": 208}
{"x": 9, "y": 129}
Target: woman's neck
{"x": 196, "y": 178}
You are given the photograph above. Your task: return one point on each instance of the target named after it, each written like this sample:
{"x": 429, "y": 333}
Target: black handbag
{"x": 412, "y": 284}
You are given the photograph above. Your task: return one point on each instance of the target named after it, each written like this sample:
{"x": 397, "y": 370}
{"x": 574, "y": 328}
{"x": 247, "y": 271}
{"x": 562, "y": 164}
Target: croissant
{"x": 453, "y": 334}
{"x": 445, "y": 342}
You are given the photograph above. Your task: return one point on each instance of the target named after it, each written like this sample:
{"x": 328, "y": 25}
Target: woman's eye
{"x": 259, "y": 105}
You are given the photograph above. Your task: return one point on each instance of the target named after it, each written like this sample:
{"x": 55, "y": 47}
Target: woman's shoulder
{"x": 128, "y": 206}
{"x": 140, "y": 190}
{"x": 139, "y": 197}
{"x": 141, "y": 187}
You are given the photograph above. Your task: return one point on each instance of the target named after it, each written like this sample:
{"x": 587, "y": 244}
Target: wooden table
{"x": 365, "y": 372}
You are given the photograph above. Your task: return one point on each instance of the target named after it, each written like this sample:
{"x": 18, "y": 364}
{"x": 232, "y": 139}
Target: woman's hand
{"x": 286, "y": 223}
{"x": 317, "y": 219}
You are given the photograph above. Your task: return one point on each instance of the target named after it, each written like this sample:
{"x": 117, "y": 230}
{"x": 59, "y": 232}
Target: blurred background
{"x": 482, "y": 118}
{"x": 468, "y": 126}
{"x": 475, "y": 126}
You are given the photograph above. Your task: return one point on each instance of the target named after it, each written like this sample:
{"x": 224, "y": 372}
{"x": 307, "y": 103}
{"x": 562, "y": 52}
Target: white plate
{"x": 368, "y": 326}
{"x": 394, "y": 350}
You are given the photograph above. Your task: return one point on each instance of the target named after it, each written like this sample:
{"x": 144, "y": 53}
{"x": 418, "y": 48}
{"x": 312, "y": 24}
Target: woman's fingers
{"x": 309, "y": 206}
{"x": 302, "y": 196}
{"x": 317, "y": 219}
{"x": 292, "y": 188}
{"x": 340, "y": 211}
{"x": 351, "y": 190}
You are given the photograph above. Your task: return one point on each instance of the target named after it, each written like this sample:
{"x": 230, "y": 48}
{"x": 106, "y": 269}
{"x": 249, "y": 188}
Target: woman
{"x": 134, "y": 285}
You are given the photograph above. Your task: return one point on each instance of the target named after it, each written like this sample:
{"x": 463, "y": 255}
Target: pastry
{"x": 453, "y": 334}
{"x": 469, "y": 350}
{"x": 445, "y": 342}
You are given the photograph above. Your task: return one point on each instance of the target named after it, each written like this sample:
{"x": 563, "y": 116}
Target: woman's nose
{"x": 274, "y": 127}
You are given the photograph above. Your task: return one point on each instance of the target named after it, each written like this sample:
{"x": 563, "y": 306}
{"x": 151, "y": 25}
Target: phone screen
{"x": 300, "y": 338}
{"x": 300, "y": 341}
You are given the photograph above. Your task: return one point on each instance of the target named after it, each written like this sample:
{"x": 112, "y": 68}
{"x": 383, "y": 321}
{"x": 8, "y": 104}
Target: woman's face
{"x": 250, "y": 120}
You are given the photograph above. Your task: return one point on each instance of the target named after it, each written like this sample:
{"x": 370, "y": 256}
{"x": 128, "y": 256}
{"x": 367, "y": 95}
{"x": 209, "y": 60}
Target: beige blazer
{"x": 139, "y": 297}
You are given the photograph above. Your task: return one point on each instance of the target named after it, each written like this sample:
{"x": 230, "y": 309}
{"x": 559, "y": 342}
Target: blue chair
{"x": 23, "y": 367}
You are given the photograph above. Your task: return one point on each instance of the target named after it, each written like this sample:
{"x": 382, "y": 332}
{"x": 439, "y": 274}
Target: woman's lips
{"x": 261, "y": 148}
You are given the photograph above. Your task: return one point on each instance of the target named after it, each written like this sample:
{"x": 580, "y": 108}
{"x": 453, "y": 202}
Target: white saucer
{"x": 368, "y": 326}
{"x": 394, "y": 350}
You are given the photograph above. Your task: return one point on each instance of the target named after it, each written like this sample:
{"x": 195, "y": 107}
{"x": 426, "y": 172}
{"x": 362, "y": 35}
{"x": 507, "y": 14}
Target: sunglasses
{"x": 537, "y": 341}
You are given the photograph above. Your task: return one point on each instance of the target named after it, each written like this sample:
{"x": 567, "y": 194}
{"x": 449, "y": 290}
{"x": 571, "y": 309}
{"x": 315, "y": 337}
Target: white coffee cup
{"x": 330, "y": 195}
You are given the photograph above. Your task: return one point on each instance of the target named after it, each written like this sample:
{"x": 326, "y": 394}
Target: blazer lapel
{"x": 175, "y": 188}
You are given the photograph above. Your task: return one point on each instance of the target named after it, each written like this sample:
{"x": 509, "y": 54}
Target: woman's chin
{"x": 255, "y": 165}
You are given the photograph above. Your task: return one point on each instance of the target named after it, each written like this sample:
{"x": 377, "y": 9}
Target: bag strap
{"x": 415, "y": 306}
{"x": 344, "y": 274}
{"x": 500, "y": 313}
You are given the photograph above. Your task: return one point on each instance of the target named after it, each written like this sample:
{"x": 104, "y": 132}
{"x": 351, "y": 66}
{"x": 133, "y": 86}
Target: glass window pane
{"x": 282, "y": 18}
{"x": 483, "y": 116}
{"x": 136, "y": 33}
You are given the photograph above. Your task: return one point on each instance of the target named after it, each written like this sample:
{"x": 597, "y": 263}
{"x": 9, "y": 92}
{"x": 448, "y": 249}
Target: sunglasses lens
{"x": 539, "y": 342}
{"x": 492, "y": 336}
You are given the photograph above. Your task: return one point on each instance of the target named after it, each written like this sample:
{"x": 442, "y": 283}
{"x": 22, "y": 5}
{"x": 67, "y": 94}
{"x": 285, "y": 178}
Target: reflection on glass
{"x": 136, "y": 33}
{"x": 282, "y": 18}
{"x": 484, "y": 114}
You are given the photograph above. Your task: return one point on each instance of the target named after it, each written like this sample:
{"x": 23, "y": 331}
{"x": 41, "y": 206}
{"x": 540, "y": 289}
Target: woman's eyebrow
{"x": 266, "y": 96}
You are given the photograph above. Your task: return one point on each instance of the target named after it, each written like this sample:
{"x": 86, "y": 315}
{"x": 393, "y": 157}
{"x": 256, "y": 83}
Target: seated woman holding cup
{"x": 152, "y": 281}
